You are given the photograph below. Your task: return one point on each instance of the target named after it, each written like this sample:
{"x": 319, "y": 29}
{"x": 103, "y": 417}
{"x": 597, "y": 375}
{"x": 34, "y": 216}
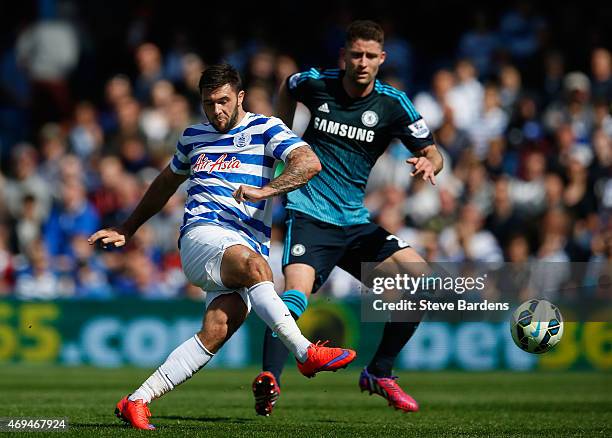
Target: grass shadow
{"x": 205, "y": 419}
{"x": 104, "y": 425}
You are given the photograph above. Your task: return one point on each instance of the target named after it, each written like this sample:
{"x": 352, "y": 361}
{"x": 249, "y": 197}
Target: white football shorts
{"x": 202, "y": 249}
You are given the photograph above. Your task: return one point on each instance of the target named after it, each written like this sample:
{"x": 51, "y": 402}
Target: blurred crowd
{"x": 527, "y": 175}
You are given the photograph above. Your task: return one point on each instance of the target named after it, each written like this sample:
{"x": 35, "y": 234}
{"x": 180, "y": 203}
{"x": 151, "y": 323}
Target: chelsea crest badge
{"x": 369, "y": 118}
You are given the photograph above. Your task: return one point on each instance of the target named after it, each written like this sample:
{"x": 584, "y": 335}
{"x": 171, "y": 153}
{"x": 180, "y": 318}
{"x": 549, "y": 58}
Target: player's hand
{"x": 249, "y": 194}
{"x": 423, "y": 166}
{"x": 109, "y": 236}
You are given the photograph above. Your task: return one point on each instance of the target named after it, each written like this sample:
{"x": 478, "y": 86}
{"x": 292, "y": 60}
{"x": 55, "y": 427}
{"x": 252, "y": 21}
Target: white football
{"x": 536, "y": 326}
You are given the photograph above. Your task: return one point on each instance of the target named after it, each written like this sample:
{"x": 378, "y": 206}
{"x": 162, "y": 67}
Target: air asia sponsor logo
{"x": 205, "y": 164}
{"x": 343, "y": 130}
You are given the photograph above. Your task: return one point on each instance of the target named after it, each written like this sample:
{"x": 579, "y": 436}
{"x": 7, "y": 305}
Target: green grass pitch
{"x": 219, "y": 403}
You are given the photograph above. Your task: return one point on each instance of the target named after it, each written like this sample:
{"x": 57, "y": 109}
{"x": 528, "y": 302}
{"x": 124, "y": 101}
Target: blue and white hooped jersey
{"x": 218, "y": 163}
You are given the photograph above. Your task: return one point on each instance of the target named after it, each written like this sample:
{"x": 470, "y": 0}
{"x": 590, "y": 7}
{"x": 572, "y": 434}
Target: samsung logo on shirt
{"x": 343, "y": 130}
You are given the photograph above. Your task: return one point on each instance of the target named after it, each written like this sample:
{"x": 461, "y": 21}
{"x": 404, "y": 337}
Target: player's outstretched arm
{"x": 427, "y": 162}
{"x": 158, "y": 193}
{"x": 301, "y": 165}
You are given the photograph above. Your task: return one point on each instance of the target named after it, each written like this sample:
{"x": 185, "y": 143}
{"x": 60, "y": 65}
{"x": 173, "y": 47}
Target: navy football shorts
{"x": 323, "y": 246}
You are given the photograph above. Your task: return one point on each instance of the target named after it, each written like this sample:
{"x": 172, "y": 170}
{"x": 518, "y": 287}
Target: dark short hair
{"x": 365, "y": 30}
{"x": 219, "y": 75}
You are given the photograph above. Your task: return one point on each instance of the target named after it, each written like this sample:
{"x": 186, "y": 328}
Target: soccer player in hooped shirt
{"x": 225, "y": 236}
{"x": 353, "y": 118}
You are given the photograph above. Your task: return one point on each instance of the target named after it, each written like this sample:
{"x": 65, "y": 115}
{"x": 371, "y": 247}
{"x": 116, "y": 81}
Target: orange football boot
{"x": 136, "y": 413}
{"x": 322, "y": 358}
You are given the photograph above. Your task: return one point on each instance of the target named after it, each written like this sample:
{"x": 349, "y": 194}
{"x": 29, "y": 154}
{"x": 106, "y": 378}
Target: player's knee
{"x": 256, "y": 270}
{"x": 218, "y": 332}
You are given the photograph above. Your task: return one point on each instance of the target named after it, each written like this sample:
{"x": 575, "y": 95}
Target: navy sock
{"x": 274, "y": 351}
{"x": 395, "y": 336}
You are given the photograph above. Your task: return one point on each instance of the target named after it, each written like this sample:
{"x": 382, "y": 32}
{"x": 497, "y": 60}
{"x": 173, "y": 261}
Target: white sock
{"x": 182, "y": 363}
{"x": 273, "y": 311}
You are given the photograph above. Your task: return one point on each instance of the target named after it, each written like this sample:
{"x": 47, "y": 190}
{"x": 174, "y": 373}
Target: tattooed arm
{"x": 301, "y": 165}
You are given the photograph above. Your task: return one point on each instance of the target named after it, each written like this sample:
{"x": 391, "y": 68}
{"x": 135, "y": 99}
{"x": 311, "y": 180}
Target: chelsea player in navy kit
{"x": 354, "y": 117}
